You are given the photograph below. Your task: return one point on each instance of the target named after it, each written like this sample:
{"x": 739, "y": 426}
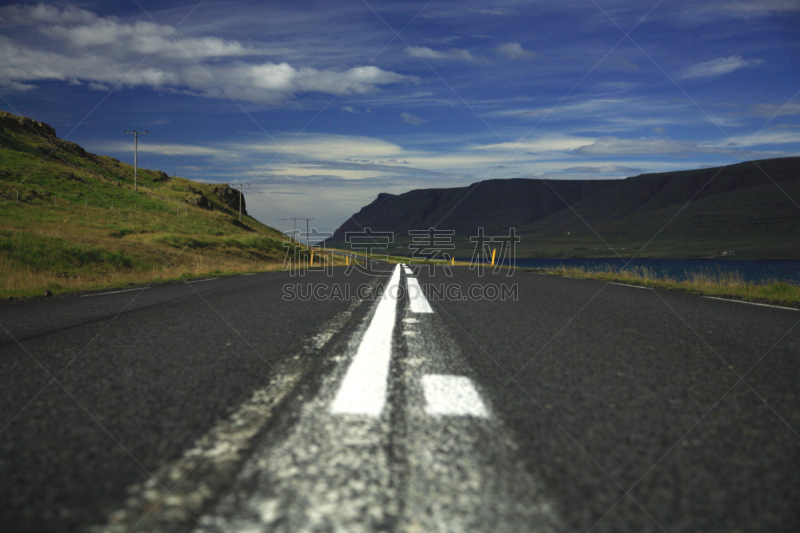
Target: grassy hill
{"x": 71, "y": 220}
{"x": 689, "y": 214}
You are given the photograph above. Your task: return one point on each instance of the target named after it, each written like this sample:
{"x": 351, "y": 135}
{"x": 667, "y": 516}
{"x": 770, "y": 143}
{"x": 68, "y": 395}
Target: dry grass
{"x": 708, "y": 282}
{"x": 27, "y": 282}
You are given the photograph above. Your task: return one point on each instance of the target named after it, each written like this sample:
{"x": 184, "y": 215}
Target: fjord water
{"x": 750, "y": 270}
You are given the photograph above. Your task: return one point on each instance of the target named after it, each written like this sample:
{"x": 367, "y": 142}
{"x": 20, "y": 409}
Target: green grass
{"x": 71, "y": 221}
{"x": 706, "y": 282}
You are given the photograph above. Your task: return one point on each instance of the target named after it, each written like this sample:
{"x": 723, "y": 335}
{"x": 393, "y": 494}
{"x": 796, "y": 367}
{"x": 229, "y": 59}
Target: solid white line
{"x": 408, "y": 271}
{"x": 751, "y": 303}
{"x": 201, "y": 280}
{"x": 416, "y": 298}
{"x": 452, "y": 396}
{"x": 627, "y": 285}
{"x": 114, "y": 292}
{"x": 363, "y": 390}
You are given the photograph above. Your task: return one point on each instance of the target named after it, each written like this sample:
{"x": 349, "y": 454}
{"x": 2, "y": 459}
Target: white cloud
{"x": 26, "y": 15}
{"x": 414, "y": 120}
{"x": 772, "y": 111}
{"x": 429, "y": 53}
{"x": 716, "y": 67}
{"x": 751, "y": 8}
{"x": 493, "y": 11}
{"x": 348, "y": 109}
{"x": 555, "y": 143}
{"x": 608, "y": 169}
{"x": 514, "y": 51}
{"x": 762, "y": 138}
{"x": 103, "y": 52}
{"x": 627, "y": 147}
{"x": 329, "y": 147}
{"x": 191, "y": 150}
{"x": 82, "y": 30}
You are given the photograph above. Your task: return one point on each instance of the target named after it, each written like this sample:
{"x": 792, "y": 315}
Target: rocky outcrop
{"x": 9, "y": 121}
{"x": 229, "y": 197}
{"x": 198, "y": 200}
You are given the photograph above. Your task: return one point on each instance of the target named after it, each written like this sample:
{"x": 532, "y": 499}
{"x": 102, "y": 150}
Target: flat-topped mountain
{"x": 749, "y": 208}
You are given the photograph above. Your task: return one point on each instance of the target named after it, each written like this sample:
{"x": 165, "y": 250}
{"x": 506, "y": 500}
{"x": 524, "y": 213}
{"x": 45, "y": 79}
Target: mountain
{"x": 70, "y": 219}
{"x": 749, "y": 208}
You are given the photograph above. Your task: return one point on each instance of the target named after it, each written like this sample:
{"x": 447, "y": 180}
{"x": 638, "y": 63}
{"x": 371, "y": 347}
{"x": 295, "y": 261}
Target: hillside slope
{"x": 71, "y": 219}
{"x": 687, "y": 214}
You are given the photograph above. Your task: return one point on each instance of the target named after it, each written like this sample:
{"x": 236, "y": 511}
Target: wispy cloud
{"x": 717, "y": 67}
{"x": 609, "y": 169}
{"x": 554, "y": 143}
{"x": 496, "y": 11}
{"x": 627, "y": 147}
{"x": 770, "y": 111}
{"x": 414, "y": 120}
{"x": 189, "y": 150}
{"x": 429, "y": 53}
{"x": 762, "y": 138}
{"x": 761, "y": 8}
{"x": 514, "y": 51}
{"x": 327, "y": 147}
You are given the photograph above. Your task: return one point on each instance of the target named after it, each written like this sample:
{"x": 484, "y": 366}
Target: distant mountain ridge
{"x": 750, "y": 208}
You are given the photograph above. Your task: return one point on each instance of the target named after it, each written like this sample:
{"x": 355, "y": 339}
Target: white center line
{"x": 628, "y": 285}
{"x": 751, "y": 303}
{"x": 416, "y": 298}
{"x": 363, "y": 390}
{"x": 408, "y": 271}
{"x": 114, "y": 292}
{"x": 452, "y": 396}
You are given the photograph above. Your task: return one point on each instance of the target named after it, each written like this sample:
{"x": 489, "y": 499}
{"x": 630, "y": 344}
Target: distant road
{"x": 570, "y": 405}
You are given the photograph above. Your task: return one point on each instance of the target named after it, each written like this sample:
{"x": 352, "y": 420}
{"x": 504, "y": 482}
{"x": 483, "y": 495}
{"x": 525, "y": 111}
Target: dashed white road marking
{"x": 628, "y": 285}
{"x": 115, "y": 292}
{"x": 408, "y": 271}
{"x": 363, "y": 390}
{"x": 416, "y": 298}
{"x": 751, "y": 303}
{"x": 452, "y": 396}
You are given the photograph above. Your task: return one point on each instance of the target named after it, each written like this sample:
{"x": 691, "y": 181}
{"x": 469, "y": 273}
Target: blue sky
{"x": 322, "y": 105}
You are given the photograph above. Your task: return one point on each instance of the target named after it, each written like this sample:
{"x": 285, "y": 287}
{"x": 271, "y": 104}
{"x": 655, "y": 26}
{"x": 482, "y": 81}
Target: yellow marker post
{"x": 312, "y": 258}
{"x": 347, "y": 260}
{"x": 493, "y": 252}
{"x": 453, "y": 261}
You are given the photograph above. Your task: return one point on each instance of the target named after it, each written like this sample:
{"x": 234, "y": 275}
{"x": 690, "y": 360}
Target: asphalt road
{"x": 557, "y": 405}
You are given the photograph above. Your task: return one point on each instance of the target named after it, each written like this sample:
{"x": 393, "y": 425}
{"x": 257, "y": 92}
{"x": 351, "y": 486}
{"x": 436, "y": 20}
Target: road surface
{"x": 408, "y": 400}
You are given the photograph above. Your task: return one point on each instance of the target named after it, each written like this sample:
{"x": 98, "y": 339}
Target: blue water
{"x": 754, "y": 271}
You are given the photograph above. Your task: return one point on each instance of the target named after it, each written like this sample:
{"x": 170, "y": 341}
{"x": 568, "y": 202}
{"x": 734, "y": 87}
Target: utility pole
{"x": 294, "y": 231}
{"x": 283, "y": 220}
{"x": 135, "y": 152}
{"x": 308, "y": 233}
{"x": 241, "y": 185}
